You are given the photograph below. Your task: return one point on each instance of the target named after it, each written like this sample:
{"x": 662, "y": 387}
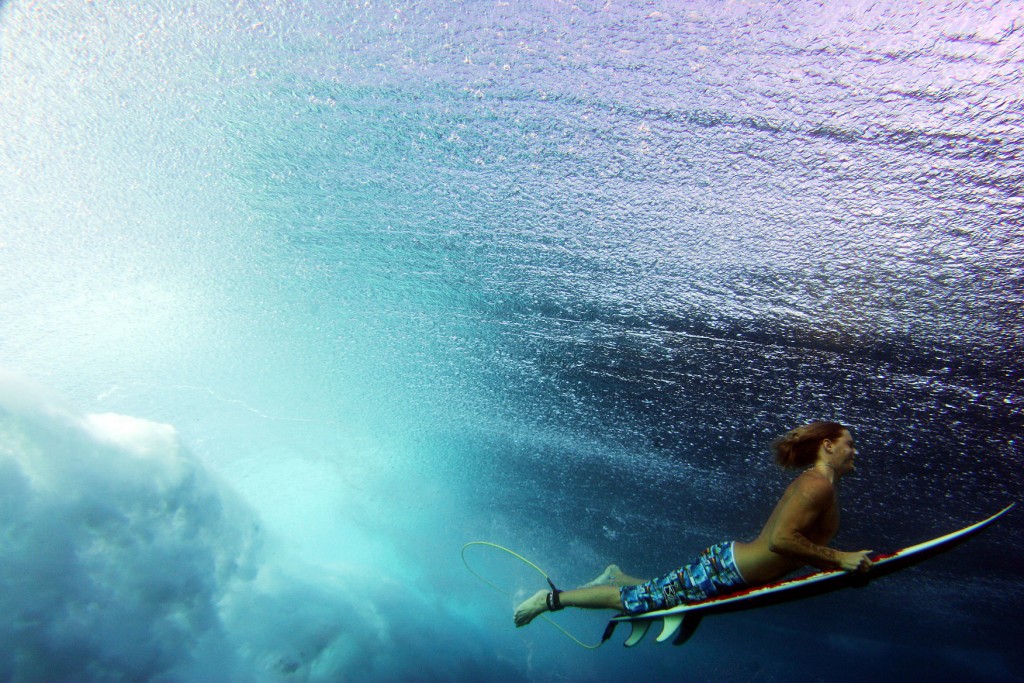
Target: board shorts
{"x": 713, "y": 572}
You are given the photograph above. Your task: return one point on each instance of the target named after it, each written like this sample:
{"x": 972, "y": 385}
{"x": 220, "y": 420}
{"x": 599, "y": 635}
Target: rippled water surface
{"x": 404, "y": 275}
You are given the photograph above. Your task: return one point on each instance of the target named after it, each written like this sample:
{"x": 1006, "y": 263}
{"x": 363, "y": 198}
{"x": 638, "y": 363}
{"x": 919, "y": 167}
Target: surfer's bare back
{"x": 796, "y": 534}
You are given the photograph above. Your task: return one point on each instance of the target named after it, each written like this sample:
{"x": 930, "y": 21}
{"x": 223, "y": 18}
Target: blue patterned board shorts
{"x": 714, "y": 572}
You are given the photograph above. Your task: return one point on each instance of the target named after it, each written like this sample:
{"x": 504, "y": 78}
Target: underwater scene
{"x": 299, "y": 298}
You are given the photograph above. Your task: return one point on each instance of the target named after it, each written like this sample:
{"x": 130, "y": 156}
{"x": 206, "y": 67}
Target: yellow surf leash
{"x": 540, "y": 571}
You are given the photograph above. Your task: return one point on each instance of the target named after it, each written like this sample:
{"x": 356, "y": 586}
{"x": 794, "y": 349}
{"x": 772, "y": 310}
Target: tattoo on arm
{"x": 821, "y": 556}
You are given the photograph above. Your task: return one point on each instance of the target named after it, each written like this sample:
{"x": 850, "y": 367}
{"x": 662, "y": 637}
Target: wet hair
{"x": 799, "y": 447}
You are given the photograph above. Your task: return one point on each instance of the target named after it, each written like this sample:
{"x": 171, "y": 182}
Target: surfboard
{"x": 682, "y": 621}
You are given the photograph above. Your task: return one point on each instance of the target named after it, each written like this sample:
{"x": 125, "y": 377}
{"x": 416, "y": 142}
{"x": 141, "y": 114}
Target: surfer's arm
{"x": 800, "y": 512}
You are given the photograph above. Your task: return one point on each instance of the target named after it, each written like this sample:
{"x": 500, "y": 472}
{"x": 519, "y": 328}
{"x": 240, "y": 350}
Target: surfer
{"x": 797, "y": 533}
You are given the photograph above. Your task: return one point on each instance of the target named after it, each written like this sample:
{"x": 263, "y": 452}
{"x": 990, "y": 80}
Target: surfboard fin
{"x": 670, "y": 623}
{"x": 690, "y": 624}
{"x": 638, "y": 631}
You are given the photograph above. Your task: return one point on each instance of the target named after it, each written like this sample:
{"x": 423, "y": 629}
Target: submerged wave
{"x": 124, "y": 557}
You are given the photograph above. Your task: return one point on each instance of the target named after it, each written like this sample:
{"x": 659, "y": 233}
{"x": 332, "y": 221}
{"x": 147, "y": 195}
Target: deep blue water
{"x": 373, "y": 280}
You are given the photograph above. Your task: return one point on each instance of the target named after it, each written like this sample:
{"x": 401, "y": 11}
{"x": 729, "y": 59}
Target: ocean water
{"x": 297, "y": 298}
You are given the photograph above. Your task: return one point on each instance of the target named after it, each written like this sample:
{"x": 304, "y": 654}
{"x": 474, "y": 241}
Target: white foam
{"x": 123, "y": 557}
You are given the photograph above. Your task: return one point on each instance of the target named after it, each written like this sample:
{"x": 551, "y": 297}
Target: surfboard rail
{"x": 680, "y": 622}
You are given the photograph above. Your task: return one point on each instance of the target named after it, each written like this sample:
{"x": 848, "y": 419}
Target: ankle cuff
{"x": 553, "y": 599}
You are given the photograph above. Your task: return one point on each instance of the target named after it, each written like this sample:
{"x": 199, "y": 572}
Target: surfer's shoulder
{"x": 815, "y": 488}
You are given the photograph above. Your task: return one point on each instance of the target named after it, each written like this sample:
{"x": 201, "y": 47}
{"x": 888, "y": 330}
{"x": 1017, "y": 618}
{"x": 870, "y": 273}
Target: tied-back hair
{"x": 799, "y": 447}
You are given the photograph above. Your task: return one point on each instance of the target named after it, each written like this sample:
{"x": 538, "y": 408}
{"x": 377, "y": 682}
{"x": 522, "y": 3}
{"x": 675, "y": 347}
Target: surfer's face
{"x": 842, "y": 452}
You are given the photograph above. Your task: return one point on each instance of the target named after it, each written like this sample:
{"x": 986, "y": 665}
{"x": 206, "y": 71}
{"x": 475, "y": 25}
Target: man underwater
{"x": 797, "y": 533}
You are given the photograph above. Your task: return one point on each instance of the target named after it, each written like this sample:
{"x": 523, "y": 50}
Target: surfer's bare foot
{"x": 531, "y": 608}
{"x": 608, "y": 577}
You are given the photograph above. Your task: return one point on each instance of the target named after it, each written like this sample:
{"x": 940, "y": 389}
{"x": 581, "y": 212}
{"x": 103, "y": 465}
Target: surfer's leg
{"x": 626, "y": 580}
{"x": 594, "y": 597}
{"x": 613, "y": 576}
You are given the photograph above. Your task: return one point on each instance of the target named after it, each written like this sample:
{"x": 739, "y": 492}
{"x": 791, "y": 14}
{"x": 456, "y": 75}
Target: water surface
{"x": 405, "y": 275}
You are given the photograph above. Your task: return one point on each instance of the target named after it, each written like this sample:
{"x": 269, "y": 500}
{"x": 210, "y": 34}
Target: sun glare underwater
{"x": 297, "y": 298}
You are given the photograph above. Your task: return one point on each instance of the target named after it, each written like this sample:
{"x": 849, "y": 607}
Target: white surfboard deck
{"x": 683, "y": 620}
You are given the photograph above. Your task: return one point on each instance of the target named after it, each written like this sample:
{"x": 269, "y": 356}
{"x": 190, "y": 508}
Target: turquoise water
{"x": 375, "y": 280}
